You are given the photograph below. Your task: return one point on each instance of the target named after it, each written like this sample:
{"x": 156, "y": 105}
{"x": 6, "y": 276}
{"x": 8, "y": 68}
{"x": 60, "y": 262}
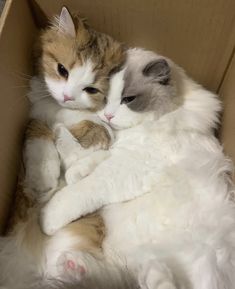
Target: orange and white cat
{"x": 74, "y": 65}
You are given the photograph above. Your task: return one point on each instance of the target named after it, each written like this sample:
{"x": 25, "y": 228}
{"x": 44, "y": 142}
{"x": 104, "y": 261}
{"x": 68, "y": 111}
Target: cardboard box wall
{"x": 197, "y": 34}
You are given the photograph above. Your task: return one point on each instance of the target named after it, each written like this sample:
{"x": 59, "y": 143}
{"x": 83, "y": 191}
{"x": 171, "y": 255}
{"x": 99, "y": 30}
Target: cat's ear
{"x": 159, "y": 70}
{"x": 66, "y": 24}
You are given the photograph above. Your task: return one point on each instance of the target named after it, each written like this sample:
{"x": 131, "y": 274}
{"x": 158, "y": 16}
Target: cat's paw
{"x": 79, "y": 171}
{"x": 73, "y": 175}
{"x": 156, "y": 275}
{"x": 85, "y": 166}
{"x": 64, "y": 139}
{"x": 52, "y": 216}
{"x": 71, "y": 266}
{"x": 61, "y": 209}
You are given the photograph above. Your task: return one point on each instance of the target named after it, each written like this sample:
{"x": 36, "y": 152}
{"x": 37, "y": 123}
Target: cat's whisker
{"x": 22, "y": 74}
{"x": 21, "y": 86}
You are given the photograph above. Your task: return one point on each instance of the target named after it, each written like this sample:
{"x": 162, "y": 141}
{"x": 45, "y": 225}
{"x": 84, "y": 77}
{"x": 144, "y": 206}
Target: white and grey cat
{"x": 164, "y": 191}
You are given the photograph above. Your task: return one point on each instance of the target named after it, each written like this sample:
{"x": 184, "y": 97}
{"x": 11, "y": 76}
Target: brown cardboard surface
{"x": 227, "y": 93}
{"x": 16, "y": 38}
{"x": 197, "y": 34}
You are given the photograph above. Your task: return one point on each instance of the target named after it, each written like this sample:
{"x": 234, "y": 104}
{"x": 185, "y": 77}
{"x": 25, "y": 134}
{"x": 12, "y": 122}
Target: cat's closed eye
{"x": 62, "y": 71}
{"x": 128, "y": 99}
{"x": 91, "y": 90}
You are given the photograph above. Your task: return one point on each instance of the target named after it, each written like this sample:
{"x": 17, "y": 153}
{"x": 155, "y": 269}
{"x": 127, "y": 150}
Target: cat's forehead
{"x": 128, "y": 79}
{"x": 85, "y": 73}
{"x": 104, "y": 52}
{"x": 146, "y": 79}
{"x": 117, "y": 85}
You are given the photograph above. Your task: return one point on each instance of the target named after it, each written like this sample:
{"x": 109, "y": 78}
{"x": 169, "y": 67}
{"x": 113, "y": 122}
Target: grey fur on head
{"x": 148, "y": 82}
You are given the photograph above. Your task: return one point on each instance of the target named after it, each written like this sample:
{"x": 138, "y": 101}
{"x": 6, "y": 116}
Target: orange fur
{"x": 107, "y": 55}
{"x": 91, "y": 134}
{"x": 37, "y": 129}
{"x": 104, "y": 52}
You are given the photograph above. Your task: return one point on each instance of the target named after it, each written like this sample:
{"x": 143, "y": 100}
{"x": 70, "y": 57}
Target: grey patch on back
{"x": 148, "y": 78}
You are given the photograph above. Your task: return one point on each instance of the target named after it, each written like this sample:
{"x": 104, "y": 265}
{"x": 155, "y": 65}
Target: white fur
{"x": 30, "y": 260}
{"x": 43, "y": 165}
{"x": 79, "y": 77}
{"x": 125, "y": 118}
{"x": 41, "y": 157}
{"x": 181, "y": 228}
{"x": 179, "y": 234}
{"x": 77, "y": 162}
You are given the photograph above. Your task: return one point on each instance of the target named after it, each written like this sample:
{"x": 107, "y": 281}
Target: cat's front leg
{"x": 69, "y": 204}
{"x": 106, "y": 185}
{"x": 85, "y": 166}
{"x": 41, "y": 159}
{"x": 69, "y": 149}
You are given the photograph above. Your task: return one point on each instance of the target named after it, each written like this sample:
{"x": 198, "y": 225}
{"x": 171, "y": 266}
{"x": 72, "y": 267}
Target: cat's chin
{"x": 118, "y": 127}
{"x": 112, "y": 125}
{"x": 71, "y": 105}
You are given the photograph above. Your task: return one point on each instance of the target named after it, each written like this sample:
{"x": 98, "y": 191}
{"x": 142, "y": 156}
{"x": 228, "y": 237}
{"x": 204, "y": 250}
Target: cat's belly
{"x": 152, "y": 218}
{"x": 176, "y": 212}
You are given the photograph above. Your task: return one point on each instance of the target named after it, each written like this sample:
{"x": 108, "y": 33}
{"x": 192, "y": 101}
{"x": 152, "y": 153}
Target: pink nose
{"x": 109, "y": 116}
{"x": 66, "y": 98}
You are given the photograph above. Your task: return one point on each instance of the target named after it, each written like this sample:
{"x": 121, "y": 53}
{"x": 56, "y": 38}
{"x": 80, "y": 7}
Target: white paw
{"x": 70, "y": 265}
{"x": 156, "y": 275}
{"x": 72, "y": 176}
{"x": 64, "y": 139}
{"x": 77, "y": 172}
{"x": 52, "y": 217}
{"x": 57, "y": 128}
{"x": 62, "y": 209}
{"x": 85, "y": 166}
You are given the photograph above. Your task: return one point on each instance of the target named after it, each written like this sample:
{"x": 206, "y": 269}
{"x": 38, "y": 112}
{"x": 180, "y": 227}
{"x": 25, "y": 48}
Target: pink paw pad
{"x": 70, "y": 265}
{"x": 82, "y": 270}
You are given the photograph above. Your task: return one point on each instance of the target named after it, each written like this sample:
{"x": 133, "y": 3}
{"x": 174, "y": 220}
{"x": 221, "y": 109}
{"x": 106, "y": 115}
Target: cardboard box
{"x": 197, "y": 34}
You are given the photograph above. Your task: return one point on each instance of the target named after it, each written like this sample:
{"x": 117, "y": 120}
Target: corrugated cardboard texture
{"x": 197, "y": 34}
{"x": 15, "y": 48}
{"x": 227, "y": 93}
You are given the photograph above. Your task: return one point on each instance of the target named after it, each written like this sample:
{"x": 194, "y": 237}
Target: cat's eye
{"x": 128, "y": 99}
{"x": 91, "y": 90}
{"x": 62, "y": 71}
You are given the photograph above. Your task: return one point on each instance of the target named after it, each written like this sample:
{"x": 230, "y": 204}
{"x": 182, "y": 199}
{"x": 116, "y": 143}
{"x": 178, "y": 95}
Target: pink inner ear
{"x": 66, "y": 24}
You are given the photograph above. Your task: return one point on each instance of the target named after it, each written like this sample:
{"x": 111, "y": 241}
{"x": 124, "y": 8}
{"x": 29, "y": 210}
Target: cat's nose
{"x": 66, "y": 98}
{"x": 109, "y": 116}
